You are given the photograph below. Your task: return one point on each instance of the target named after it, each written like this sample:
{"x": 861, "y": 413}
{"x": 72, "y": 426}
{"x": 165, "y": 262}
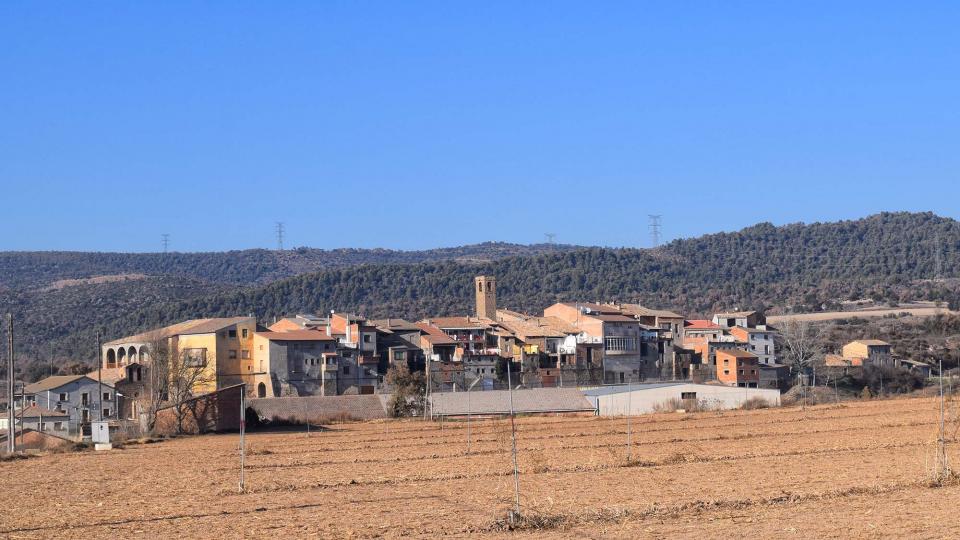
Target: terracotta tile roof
{"x": 434, "y": 335}
{"x": 637, "y": 309}
{"x": 458, "y": 323}
{"x": 36, "y": 411}
{"x": 528, "y": 329}
{"x": 194, "y": 326}
{"x": 110, "y": 375}
{"x": 700, "y": 324}
{"x": 612, "y": 318}
{"x": 596, "y": 308}
{"x": 871, "y": 342}
{"x": 394, "y": 325}
{"x": 297, "y": 335}
{"x": 50, "y": 383}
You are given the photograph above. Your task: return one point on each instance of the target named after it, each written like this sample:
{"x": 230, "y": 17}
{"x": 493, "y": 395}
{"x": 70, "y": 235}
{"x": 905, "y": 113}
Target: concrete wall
{"x": 642, "y": 401}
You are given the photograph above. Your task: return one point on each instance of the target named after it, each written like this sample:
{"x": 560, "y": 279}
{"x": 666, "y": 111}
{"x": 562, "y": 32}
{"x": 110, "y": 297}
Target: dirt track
{"x": 830, "y": 471}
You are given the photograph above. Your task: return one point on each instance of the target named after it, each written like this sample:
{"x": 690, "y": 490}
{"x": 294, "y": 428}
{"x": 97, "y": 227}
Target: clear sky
{"x": 423, "y": 124}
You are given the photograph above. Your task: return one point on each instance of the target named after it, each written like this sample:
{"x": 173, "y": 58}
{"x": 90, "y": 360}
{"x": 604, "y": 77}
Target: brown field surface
{"x": 861, "y": 314}
{"x": 859, "y": 469}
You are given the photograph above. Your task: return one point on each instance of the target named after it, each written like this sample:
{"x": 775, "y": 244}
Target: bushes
{"x": 755, "y": 402}
{"x": 408, "y": 392}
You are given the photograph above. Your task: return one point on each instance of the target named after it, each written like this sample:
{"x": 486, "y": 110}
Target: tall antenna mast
{"x": 165, "y": 239}
{"x": 551, "y": 237}
{"x": 654, "y": 229}
{"x": 280, "y": 236}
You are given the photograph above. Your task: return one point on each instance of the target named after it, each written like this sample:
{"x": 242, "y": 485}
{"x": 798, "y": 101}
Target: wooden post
{"x": 11, "y": 428}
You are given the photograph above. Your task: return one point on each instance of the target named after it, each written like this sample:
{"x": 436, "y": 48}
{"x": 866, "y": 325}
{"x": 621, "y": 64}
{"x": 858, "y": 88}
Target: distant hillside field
{"x": 888, "y": 257}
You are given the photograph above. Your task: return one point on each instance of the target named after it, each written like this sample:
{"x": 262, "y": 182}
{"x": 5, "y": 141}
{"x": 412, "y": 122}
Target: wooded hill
{"x": 24, "y": 270}
{"x": 890, "y": 257}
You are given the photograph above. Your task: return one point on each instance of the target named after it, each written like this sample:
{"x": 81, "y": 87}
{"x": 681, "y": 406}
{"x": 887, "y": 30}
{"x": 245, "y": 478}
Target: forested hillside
{"x": 889, "y": 257}
{"x": 23, "y": 270}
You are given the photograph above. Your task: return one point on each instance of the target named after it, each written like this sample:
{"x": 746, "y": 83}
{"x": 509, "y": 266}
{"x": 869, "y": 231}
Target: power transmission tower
{"x": 655, "y": 229}
{"x": 550, "y": 237}
{"x": 165, "y": 239}
{"x": 280, "y": 236}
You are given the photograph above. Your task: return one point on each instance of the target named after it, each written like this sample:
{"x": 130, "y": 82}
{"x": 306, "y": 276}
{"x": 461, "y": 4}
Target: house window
{"x": 106, "y": 412}
{"x": 261, "y": 347}
{"x": 58, "y": 426}
{"x": 366, "y": 338}
{"x": 84, "y": 398}
{"x": 233, "y": 354}
{"x": 346, "y": 370}
{"x": 106, "y": 396}
{"x": 245, "y": 354}
{"x": 726, "y": 372}
{"x": 43, "y": 426}
{"x": 196, "y": 357}
{"x": 64, "y": 396}
{"x": 688, "y": 395}
{"x": 244, "y": 333}
{"x": 232, "y": 333}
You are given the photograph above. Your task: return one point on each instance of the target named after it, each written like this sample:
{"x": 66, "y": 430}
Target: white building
{"x": 645, "y": 398}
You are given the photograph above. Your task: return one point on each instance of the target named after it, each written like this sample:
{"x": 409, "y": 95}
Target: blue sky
{"x": 423, "y": 124}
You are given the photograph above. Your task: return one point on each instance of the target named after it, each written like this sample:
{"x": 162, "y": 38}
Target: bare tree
{"x": 174, "y": 376}
{"x": 802, "y": 345}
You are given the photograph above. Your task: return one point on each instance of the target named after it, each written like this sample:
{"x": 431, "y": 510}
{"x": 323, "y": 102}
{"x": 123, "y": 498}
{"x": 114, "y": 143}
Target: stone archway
{"x": 131, "y": 355}
{"x": 111, "y": 358}
{"x": 261, "y": 390}
{"x": 121, "y": 356}
{"x": 143, "y": 355}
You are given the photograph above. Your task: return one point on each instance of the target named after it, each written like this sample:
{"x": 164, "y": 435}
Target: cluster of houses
{"x": 571, "y": 344}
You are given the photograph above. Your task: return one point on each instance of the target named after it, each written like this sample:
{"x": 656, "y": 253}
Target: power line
{"x": 654, "y": 229}
{"x": 280, "y": 236}
{"x": 165, "y": 239}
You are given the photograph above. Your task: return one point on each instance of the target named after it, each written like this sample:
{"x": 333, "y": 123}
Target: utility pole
{"x": 279, "y": 236}
{"x": 165, "y": 239}
{"x": 11, "y": 431}
{"x": 550, "y": 237}
{"x": 513, "y": 435}
{"x": 243, "y": 428}
{"x": 99, "y": 376}
{"x": 629, "y": 413}
{"x": 654, "y": 229}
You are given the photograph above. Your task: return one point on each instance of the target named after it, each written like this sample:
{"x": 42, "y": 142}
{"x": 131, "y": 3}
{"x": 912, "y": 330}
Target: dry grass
{"x": 860, "y": 468}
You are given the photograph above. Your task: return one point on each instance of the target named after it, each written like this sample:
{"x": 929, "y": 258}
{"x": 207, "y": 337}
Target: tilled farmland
{"x": 858, "y": 469}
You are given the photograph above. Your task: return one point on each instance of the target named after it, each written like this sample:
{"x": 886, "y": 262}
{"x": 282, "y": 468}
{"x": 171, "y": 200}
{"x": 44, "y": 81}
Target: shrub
{"x": 755, "y": 402}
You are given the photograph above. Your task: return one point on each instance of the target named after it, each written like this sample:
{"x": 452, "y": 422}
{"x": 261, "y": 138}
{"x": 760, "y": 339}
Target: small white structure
{"x": 100, "y": 435}
{"x": 643, "y": 398}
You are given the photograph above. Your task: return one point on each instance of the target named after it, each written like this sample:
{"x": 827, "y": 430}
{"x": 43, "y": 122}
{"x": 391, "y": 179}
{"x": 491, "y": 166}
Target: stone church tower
{"x": 486, "y": 297}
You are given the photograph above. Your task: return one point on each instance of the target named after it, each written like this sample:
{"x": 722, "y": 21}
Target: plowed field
{"x": 860, "y": 469}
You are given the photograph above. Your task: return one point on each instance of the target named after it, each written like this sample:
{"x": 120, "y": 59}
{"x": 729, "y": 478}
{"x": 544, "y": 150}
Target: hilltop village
{"x": 580, "y": 346}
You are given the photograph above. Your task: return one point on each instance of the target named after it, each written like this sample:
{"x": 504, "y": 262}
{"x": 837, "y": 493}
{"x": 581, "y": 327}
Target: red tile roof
{"x": 435, "y": 335}
{"x": 700, "y": 324}
{"x": 297, "y": 335}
